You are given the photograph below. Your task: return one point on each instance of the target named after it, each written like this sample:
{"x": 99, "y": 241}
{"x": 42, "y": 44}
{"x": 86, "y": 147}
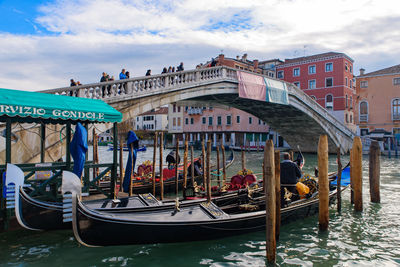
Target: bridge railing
{"x": 120, "y": 88}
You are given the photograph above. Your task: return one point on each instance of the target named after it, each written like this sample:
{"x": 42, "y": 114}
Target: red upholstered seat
{"x": 249, "y": 179}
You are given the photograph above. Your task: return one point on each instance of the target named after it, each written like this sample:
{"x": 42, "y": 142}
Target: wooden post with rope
{"x": 339, "y": 181}
{"x": 176, "y": 167}
{"x": 208, "y": 183}
{"x": 270, "y": 201}
{"x": 351, "y": 178}
{"x": 374, "y": 172}
{"x": 223, "y": 165}
{"x": 153, "y": 173}
{"x": 192, "y": 164}
{"x": 357, "y": 173}
{"x": 218, "y": 174}
{"x": 277, "y": 163}
{"x": 161, "y": 166}
{"x": 203, "y": 160}
{"x": 323, "y": 189}
{"x": 185, "y": 166}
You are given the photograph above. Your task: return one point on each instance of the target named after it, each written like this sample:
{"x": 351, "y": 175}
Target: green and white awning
{"x": 23, "y": 104}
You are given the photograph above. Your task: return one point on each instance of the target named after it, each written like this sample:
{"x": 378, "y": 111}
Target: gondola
{"x": 35, "y": 214}
{"x": 146, "y": 185}
{"x": 199, "y": 221}
{"x": 126, "y": 148}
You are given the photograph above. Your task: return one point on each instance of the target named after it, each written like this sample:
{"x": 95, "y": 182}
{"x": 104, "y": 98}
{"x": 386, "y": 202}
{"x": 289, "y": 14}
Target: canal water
{"x": 370, "y": 238}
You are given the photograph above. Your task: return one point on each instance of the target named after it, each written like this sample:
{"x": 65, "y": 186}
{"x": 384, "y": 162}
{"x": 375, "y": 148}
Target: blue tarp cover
{"x": 78, "y": 148}
{"x": 130, "y": 164}
{"x": 345, "y": 179}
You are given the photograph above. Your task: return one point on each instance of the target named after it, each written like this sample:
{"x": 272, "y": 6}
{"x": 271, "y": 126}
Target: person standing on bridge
{"x": 122, "y": 76}
{"x": 104, "y": 78}
{"x": 180, "y": 67}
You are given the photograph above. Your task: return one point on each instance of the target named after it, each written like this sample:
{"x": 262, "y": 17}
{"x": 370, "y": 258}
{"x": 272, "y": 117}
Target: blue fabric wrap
{"x": 345, "y": 179}
{"x": 78, "y": 148}
{"x": 4, "y": 185}
{"x": 134, "y": 141}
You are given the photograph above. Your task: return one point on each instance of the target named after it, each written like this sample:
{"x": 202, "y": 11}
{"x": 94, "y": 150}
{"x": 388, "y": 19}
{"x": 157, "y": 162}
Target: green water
{"x": 370, "y": 238}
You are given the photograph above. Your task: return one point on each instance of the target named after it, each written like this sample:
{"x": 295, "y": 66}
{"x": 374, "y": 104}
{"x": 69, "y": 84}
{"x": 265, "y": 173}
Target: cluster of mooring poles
{"x": 271, "y": 178}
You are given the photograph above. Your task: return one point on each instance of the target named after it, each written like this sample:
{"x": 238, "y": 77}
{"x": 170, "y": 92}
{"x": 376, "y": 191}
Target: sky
{"x": 43, "y": 44}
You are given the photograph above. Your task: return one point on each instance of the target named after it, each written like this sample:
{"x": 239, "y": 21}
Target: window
{"x": 203, "y": 119}
{"x": 328, "y": 82}
{"x": 347, "y": 118}
{"x": 363, "y": 111}
{"x": 328, "y": 67}
{"x": 179, "y": 121}
{"x": 174, "y": 122}
{"x": 219, "y": 120}
{"x": 297, "y": 84}
{"x": 228, "y": 120}
{"x": 280, "y": 74}
{"x": 351, "y": 83}
{"x": 296, "y": 72}
{"x": 174, "y": 108}
{"x": 237, "y": 119}
{"x": 186, "y": 108}
{"x": 351, "y": 118}
{"x": 210, "y": 121}
{"x": 351, "y": 69}
{"x": 346, "y": 81}
{"x": 329, "y": 102}
{"x": 347, "y": 102}
{"x": 396, "y": 109}
{"x": 250, "y": 120}
{"x": 191, "y": 121}
{"x": 364, "y": 84}
{"x": 210, "y": 108}
{"x": 311, "y": 84}
{"x": 179, "y": 108}
{"x": 259, "y": 122}
{"x": 396, "y": 81}
{"x": 311, "y": 69}
{"x": 364, "y": 132}
{"x": 186, "y": 121}
{"x": 346, "y": 67}
{"x": 351, "y": 102}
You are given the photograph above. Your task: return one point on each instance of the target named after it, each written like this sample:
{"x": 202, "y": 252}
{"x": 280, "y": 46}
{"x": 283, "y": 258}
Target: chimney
{"x": 255, "y": 63}
{"x": 237, "y": 57}
{"x": 221, "y": 57}
{"x": 362, "y": 71}
{"x": 244, "y": 57}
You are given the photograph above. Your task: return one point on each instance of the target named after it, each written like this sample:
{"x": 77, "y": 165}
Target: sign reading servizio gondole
{"x": 24, "y": 111}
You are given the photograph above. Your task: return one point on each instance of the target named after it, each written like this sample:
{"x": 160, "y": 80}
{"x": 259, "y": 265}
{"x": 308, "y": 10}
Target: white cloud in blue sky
{"x": 45, "y": 43}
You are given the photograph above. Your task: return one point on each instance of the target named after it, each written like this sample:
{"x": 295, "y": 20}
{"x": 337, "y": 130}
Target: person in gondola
{"x": 171, "y": 159}
{"x": 290, "y": 173}
{"x": 197, "y": 168}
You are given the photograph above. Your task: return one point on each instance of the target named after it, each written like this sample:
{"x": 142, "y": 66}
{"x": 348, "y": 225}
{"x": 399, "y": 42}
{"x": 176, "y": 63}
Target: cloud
{"x": 84, "y": 38}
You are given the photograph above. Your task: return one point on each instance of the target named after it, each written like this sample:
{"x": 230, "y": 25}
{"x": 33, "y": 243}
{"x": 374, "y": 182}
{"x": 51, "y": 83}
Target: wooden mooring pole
{"x": 323, "y": 182}
{"x": 277, "y": 162}
{"x": 153, "y": 174}
{"x": 374, "y": 172}
{"x": 176, "y": 167}
{"x": 243, "y": 159}
{"x": 351, "y": 178}
{"x": 192, "y": 163}
{"x": 357, "y": 173}
{"x": 339, "y": 182}
{"x": 218, "y": 174}
{"x": 270, "y": 201}
{"x": 208, "y": 183}
{"x": 223, "y": 165}
{"x": 161, "y": 166}
{"x": 203, "y": 163}
{"x": 185, "y": 166}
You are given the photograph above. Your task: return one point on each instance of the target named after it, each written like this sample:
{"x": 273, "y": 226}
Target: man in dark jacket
{"x": 290, "y": 173}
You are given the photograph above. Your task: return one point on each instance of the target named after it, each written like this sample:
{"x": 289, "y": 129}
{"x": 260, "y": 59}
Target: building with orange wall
{"x": 378, "y": 101}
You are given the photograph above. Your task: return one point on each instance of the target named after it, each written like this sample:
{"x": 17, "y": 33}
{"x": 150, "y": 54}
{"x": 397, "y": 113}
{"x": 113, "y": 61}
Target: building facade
{"x": 328, "y": 78}
{"x": 378, "y": 101}
{"x": 154, "y": 120}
